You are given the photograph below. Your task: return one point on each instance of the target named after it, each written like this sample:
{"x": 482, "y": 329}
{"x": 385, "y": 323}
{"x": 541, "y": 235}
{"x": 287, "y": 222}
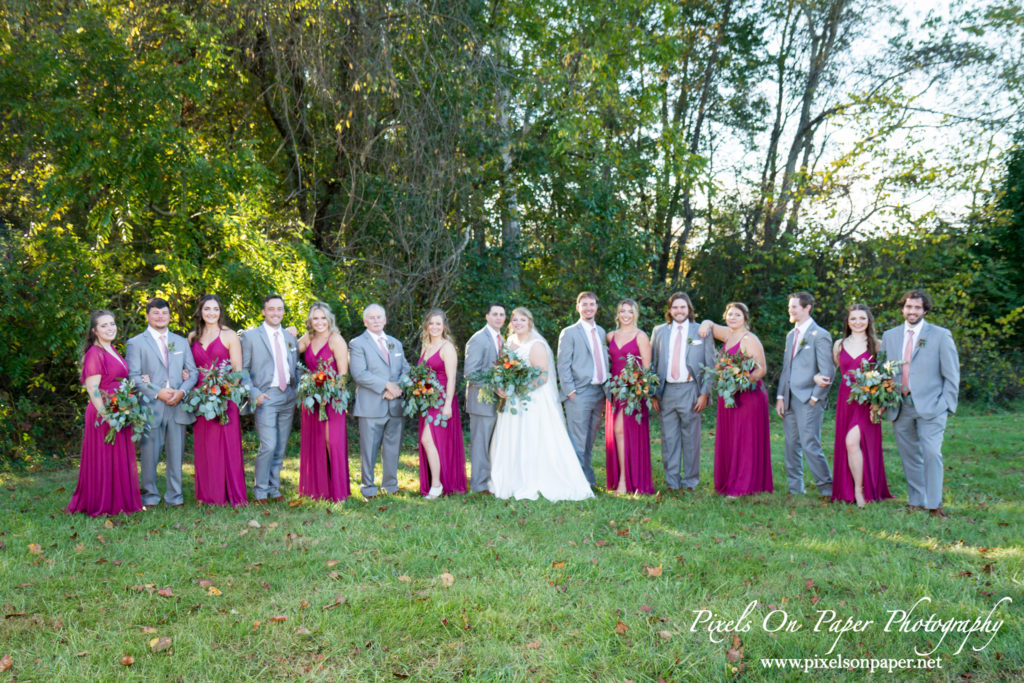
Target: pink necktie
{"x": 497, "y": 341}
{"x": 163, "y": 348}
{"x": 796, "y": 343}
{"x": 597, "y": 354}
{"x": 384, "y": 350}
{"x": 279, "y": 361}
{"x": 677, "y": 344}
{"x": 908, "y": 350}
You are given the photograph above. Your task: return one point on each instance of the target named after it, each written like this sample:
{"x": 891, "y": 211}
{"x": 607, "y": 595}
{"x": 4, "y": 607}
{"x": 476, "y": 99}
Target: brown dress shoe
{"x": 277, "y": 499}
{"x": 259, "y": 501}
{"x": 937, "y": 512}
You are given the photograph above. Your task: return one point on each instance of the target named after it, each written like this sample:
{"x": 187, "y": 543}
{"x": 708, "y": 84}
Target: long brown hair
{"x": 445, "y": 334}
{"x": 197, "y": 316}
{"x": 873, "y": 342}
{"x": 90, "y": 335}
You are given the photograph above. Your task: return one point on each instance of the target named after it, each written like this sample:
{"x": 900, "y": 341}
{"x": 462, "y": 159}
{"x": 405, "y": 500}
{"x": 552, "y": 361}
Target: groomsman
{"x": 377, "y": 364}
{"x": 269, "y": 355}
{"x": 582, "y": 370}
{"x": 482, "y": 350}
{"x": 678, "y": 354}
{"x": 929, "y": 380}
{"x": 161, "y": 355}
{"x": 799, "y": 401}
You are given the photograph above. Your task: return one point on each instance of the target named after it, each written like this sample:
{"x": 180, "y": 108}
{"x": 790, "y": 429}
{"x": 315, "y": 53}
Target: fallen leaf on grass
{"x": 558, "y": 565}
{"x": 403, "y": 577}
{"x": 160, "y": 644}
{"x": 6, "y": 662}
{"x": 205, "y": 583}
{"x": 254, "y": 524}
{"x": 82, "y": 653}
{"x": 279, "y": 618}
{"x": 213, "y": 590}
{"x": 646, "y": 608}
{"x": 108, "y": 524}
{"x": 303, "y": 631}
{"x": 339, "y": 600}
{"x": 447, "y": 579}
{"x": 622, "y": 532}
{"x": 964, "y": 573}
{"x": 35, "y": 548}
{"x": 654, "y": 571}
{"x": 331, "y": 563}
{"x": 127, "y": 660}
{"x": 620, "y": 628}
{"x": 602, "y": 543}
{"x": 533, "y": 646}
{"x": 735, "y": 653}
{"x": 665, "y": 634}
{"x": 165, "y": 592}
{"x": 148, "y": 629}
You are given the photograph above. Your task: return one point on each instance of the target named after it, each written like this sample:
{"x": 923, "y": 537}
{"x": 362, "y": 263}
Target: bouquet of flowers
{"x": 634, "y": 386}
{"x": 210, "y": 398}
{"x": 321, "y": 388}
{"x": 126, "y": 407}
{"x": 510, "y": 374}
{"x": 422, "y": 391}
{"x": 874, "y": 384}
{"x": 732, "y": 374}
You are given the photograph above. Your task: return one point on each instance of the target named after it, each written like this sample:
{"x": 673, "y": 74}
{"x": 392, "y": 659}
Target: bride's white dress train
{"x": 530, "y": 451}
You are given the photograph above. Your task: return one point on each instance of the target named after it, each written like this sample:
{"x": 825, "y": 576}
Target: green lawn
{"x": 480, "y": 589}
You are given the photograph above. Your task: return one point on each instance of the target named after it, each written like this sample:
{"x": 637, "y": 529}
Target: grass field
{"x": 474, "y": 588}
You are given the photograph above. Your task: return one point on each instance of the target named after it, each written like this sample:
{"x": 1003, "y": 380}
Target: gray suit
{"x": 167, "y": 431}
{"x": 802, "y": 423}
{"x": 481, "y": 352}
{"x": 919, "y": 423}
{"x": 575, "y": 373}
{"x": 380, "y": 421}
{"x": 680, "y": 426}
{"x": 274, "y": 417}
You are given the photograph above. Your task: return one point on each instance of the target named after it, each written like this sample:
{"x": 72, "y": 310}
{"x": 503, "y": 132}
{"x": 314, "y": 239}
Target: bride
{"x": 530, "y": 450}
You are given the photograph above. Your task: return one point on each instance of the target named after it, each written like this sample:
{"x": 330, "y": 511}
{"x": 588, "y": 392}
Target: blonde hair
{"x": 332, "y": 325}
{"x": 446, "y": 333}
{"x": 525, "y": 312}
{"x": 634, "y": 305}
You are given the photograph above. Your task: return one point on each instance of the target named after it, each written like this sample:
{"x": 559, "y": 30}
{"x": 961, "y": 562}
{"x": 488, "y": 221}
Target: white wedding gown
{"x": 530, "y": 451}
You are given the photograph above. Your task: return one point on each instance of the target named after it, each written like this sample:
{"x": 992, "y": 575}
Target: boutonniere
{"x": 391, "y": 346}
{"x": 803, "y": 343}
{"x": 921, "y": 342}
{"x": 171, "y": 348}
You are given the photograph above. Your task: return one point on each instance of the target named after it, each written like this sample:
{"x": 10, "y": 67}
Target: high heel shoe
{"x": 435, "y": 492}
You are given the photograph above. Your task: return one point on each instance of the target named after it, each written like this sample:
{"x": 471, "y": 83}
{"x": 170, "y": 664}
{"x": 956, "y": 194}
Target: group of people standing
{"x": 541, "y": 448}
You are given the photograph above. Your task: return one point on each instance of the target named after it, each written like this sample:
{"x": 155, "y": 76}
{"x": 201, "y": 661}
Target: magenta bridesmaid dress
{"x": 636, "y": 435}
{"x": 848, "y": 416}
{"x": 451, "y": 450}
{"x": 323, "y": 448}
{"x": 219, "y": 467}
{"x": 108, "y": 477}
{"x": 743, "y": 456}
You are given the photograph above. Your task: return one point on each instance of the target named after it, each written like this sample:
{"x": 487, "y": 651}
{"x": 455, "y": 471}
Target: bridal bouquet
{"x": 210, "y": 398}
{"x": 732, "y": 374}
{"x": 321, "y": 388}
{"x": 126, "y": 407}
{"x": 634, "y": 386}
{"x": 874, "y": 384}
{"x": 510, "y": 374}
{"x": 422, "y": 391}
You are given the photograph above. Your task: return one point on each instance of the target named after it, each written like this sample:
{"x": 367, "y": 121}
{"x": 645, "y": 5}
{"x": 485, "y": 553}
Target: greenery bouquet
{"x": 509, "y": 374}
{"x": 210, "y": 398}
{"x": 126, "y": 407}
{"x": 634, "y": 386}
{"x": 874, "y": 384}
{"x": 732, "y": 374}
{"x": 323, "y": 387}
{"x": 422, "y": 391}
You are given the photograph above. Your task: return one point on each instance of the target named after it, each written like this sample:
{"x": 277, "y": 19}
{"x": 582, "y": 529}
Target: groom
{"x": 800, "y": 402}
{"x": 482, "y": 350}
{"x": 582, "y": 370}
{"x": 269, "y": 355}
{"x": 377, "y": 363}
{"x": 929, "y": 380}
{"x": 161, "y": 355}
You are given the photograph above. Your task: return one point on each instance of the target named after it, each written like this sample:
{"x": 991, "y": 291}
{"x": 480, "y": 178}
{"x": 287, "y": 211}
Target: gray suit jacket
{"x": 481, "y": 352}
{"x": 145, "y": 358}
{"x": 371, "y": 372}
{"x": 258, "y": 360}
{"x": 699, "y": 353}
{"x": 576, "y": 358}
{"x": 934, "y": 369}
{"x": 812, "y": 358}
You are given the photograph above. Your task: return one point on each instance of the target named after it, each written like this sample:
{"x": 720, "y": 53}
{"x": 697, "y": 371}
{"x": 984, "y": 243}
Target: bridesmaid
{"x": 323, "y": 449}
{"x": 219, "y": 468}
{"x": 442, "y": 451}
{"x": 743, "y": 458}
{"x": 108, "y": 478}
{"x": 858, "y": 465}
{"x": 627, "y": 442}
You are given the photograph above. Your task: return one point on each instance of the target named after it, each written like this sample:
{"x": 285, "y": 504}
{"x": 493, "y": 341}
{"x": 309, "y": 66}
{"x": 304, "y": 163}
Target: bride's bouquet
{"x": 126, "y": 407}
{"x": 509, "y": 374}
{"x": 732, "y": 374}
{"x": 220, "y": 386}
{"x": 874, "y": 384}
{"x": 321, "y": 388}
{"x": 634, "y": 387}
{"x": 422, "y": 392}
